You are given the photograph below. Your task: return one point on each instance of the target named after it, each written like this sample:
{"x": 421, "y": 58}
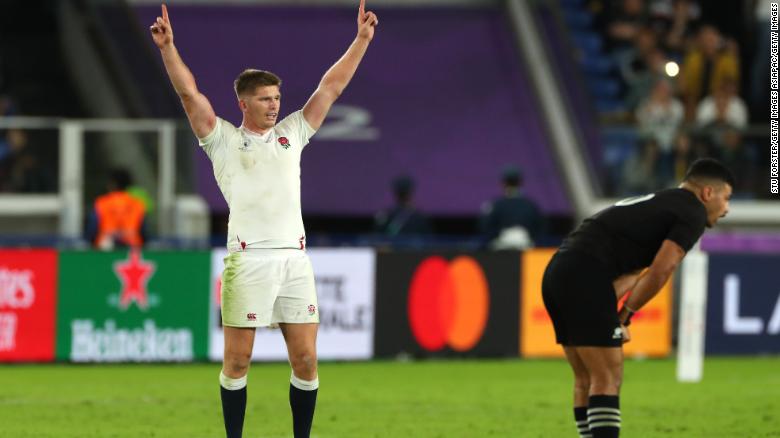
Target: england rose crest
{"x": 284, "y": 142}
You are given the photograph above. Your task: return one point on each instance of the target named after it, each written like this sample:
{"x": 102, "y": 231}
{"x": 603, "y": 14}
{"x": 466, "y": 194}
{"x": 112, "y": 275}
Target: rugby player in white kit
{"x": 268, "y": 280}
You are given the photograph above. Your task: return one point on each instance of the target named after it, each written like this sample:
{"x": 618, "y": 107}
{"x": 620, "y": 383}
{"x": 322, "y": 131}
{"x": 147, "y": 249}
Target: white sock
{"x": 304, "y": 385}
{"x": 231, "y": 384}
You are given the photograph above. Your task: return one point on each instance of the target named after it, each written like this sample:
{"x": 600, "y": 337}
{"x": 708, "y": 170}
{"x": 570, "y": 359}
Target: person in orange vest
{"x": 118, "y": 218}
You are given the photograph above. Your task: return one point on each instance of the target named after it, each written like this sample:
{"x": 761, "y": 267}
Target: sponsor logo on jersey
{"x": 312, "y": 309}
{"x": 251, "y": 316}
{"x": 618, "y": 333}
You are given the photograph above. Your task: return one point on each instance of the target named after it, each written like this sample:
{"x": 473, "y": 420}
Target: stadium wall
{"x": 163, "y": 306}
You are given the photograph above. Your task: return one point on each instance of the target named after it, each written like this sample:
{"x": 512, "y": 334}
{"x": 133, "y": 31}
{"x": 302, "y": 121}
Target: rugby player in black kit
{"x": 603, "y": 259}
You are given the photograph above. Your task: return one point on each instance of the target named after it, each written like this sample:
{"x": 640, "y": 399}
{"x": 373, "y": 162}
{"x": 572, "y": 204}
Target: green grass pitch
{"x": 496, "y": 398}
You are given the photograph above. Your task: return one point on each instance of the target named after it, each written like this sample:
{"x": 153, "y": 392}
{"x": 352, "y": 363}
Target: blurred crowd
{"x": 681, "y": 81}
{"x": 21, "y": 170}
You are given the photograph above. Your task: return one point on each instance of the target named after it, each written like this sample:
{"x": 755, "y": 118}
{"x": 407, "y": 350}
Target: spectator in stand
{"x": 710, "y": 62}
{"x": 732, "y": 152}
{"x": 7, "y": 109}
{"x": 660, "y": 116}
{"x": 635, "y": 64}
{"x": 645, "y": 42}
{"x": 403, "y": 218}
{"x": 724, "y": 107}
{"x": 644, "y": 171}
{"x": 20, "y": 171}
{"x": 625, "y": 24}
{"x": 7, "y": 106}
{"x": 674, "y": 20}
{"x": 640, "y": 83}
{"x": 512, "y": 221}
{"x": 687, "y": 149}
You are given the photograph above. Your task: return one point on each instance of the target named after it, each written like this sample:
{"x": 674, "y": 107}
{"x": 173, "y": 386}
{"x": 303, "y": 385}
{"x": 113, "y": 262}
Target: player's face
{"x": 262, "y": 106}
{"x": 718, "y": 204}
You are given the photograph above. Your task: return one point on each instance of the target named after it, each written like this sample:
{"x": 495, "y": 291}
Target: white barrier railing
{"x": 68, "y": 203}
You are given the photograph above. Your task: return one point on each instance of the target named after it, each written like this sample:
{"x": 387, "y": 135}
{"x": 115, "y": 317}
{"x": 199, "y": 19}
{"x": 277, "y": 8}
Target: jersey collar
{"x": 255, "y": 136}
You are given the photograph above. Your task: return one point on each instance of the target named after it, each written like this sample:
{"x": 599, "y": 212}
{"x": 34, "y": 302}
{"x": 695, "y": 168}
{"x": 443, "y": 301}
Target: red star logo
{"x": 134, "y": 274}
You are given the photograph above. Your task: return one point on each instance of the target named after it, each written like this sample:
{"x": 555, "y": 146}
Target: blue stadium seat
{"x": 589, "y": 42}
{"x": 597, "y": 65}
{"x": 577, "y": 19}
{"x": 603, "y": 87}
{"x": 620, "y": 144}
{"x": 610, "y": 106}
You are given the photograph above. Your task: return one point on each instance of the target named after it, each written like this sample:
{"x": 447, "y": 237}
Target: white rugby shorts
{"x": 263, "y": 287}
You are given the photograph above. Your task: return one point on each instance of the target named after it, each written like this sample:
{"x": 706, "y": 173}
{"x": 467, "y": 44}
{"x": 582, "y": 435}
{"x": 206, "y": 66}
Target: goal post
{"x": 692, "y": 319}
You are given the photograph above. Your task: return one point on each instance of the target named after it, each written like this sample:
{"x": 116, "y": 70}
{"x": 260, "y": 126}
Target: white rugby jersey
{"x": 260, "y": 178}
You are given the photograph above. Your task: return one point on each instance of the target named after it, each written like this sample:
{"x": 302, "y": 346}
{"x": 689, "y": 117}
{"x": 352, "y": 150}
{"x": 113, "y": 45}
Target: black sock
{"x": 233, "y": 408}
{"x": 604, "y": 416}
{"x": 302, "y": 404}
{"x": 581, "y": 420}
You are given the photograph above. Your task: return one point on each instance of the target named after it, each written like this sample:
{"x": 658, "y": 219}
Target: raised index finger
{"x": 165, "y": 12}
{"x": 362, "y": 6}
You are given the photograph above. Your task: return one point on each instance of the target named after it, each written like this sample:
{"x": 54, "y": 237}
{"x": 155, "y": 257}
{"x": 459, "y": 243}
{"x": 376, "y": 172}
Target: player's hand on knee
{"x": 162, "y": 32}
{"x": 626, "y": 333}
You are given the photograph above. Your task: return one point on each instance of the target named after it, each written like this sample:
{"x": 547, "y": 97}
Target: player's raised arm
{"x": 196, "y": 105}
{"x": 665, "y": 262}
{"x": 338, "y": 76}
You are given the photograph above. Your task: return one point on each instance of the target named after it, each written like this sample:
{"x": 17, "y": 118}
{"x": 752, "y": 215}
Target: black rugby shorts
{"x": 579, "y": 297}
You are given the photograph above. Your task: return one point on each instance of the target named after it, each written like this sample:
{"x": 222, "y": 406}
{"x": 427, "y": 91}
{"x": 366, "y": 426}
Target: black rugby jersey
{"x": 627, "y": 235}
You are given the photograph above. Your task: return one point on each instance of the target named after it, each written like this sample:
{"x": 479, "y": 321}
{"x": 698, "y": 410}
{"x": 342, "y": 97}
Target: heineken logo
{"x": 132, "y": 306}
{"x": 134, "y": 274}
{"x": 110, "y": 343}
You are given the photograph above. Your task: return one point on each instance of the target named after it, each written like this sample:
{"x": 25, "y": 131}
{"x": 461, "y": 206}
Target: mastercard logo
{"x": 448, "y": 303}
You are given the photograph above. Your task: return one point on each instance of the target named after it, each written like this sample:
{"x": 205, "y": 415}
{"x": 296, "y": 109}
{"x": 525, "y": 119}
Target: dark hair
{"x": 709, "y": 168}
{"x": 120, "y": 179}
{"x": 250, "y": 79}
{"x": 512, "y": 176}
{"x": 403, "y": 186}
